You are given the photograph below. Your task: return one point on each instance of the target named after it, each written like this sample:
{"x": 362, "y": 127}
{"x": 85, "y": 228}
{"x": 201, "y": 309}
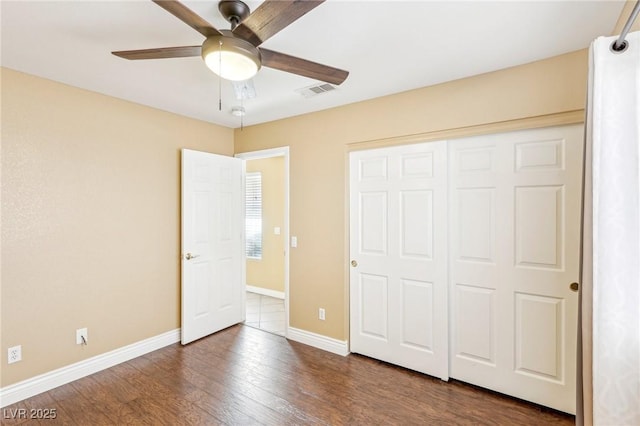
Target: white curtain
{"x": 609, "y": 338}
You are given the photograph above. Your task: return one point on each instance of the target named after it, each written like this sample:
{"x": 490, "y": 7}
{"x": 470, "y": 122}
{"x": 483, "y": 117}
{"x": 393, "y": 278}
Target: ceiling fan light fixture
{"x": 231, "y": 58}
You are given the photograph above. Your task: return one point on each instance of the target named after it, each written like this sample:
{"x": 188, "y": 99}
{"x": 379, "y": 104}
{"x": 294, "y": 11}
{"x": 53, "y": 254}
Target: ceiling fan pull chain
{"x": 220, "y": 77}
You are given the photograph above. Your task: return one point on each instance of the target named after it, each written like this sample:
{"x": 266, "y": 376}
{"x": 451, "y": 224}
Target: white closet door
{"x": 398, "y": 290}
{"x": 514, "y": 250}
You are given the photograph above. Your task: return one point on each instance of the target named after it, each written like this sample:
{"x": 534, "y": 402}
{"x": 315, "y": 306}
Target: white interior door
{"x": 212, "y": 243}
{"x": 398, "y": 280}
{"x": 514, "y": 250}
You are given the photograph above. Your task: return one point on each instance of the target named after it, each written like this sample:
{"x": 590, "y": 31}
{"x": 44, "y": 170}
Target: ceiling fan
{"x": 235, "y": 54}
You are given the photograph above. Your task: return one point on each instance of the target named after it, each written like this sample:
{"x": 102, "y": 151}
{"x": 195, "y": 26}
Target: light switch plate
{"x": 276, "y": 230}
{"x": 294, "y": 241}
{"x": 82, "y": 336}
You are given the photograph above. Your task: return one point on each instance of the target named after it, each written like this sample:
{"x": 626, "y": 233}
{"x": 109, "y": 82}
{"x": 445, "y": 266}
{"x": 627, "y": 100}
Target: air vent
{"x": 317, "y": 89}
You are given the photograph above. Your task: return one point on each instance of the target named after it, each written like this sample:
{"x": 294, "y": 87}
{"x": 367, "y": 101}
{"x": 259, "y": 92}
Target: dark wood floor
{"x": 244, "y": 376}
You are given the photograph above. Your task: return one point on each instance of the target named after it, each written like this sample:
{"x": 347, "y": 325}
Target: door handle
{"x": 574, "y": 286}
{"x": 190, "y": 256}
{"x": 354, "y": 263}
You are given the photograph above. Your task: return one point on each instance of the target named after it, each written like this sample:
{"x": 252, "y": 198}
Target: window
{"x": 253, "y": 215}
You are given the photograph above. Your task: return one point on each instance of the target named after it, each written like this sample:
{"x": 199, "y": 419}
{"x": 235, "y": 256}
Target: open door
{"x": 212, "y": 243}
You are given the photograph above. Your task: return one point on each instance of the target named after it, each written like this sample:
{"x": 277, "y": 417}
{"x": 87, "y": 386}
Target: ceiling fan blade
{"x": 302, "y": 67}
{"x": 160, "y": 52}
{"x": 271, "y": 17}
{"x": 188, "y": 16}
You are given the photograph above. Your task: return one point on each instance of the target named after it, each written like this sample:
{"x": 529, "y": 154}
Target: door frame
{"x": 269, "y": 153}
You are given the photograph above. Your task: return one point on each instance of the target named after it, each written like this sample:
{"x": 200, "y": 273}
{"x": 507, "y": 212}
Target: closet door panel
{"x": 514, "y": 254}
{"x": 398, "y": 279}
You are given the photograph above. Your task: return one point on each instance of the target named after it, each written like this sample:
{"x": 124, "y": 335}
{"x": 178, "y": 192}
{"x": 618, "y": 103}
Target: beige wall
{"x": 90, "y": 220}
{"x": 268, "y": 272}
{"x": 547, "y": 92}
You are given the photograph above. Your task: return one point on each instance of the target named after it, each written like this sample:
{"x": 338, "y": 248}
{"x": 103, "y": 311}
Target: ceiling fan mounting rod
{"x": 234, "y": 21}
{"x": 233, "y": 11}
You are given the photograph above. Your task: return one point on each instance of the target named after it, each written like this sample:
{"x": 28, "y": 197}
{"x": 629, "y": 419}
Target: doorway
{"x": 267, "y": 236}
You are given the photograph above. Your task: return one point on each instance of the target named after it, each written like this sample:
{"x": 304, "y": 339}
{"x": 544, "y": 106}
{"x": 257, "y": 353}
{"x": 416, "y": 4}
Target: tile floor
{"x": 265, "y": 313}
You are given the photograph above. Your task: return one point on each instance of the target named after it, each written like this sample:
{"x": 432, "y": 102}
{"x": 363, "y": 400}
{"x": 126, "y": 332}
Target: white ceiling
{"x": 388, "y": 47}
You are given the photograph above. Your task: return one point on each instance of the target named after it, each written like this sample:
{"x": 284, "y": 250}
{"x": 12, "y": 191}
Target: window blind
{"x": 253, "y": 215}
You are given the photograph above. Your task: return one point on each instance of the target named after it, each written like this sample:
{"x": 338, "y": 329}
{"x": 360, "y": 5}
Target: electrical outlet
{"x": 14, "y": 354}
{"x": 82, "y": 336}
{"x": 321, "y": 314}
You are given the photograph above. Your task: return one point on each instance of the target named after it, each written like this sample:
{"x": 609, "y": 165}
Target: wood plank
{"x": 246, "y": 376}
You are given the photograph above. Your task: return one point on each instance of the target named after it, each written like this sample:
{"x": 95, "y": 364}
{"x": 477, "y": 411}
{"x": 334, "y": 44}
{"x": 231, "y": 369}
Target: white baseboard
{"x": 319, "y": 341}
{"x": 265, "y": 291}
{"x": 44, "y": 382}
